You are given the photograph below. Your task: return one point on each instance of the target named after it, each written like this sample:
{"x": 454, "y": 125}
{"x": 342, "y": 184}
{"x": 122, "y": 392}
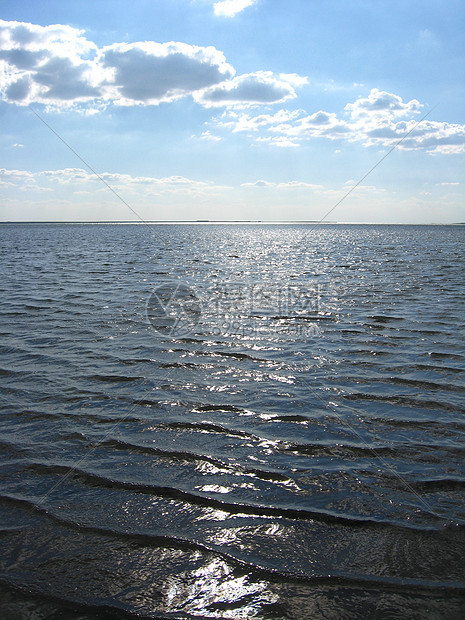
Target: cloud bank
{"x": 382, "y": 119}
{"x": 81, "y": 181}
{"x": 57, "y": 66}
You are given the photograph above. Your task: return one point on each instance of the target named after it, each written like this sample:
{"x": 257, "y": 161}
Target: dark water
{"x": 296, "y": 450}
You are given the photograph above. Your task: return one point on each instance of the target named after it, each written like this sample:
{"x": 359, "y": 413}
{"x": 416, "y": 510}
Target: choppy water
{"x": 297, "y": 453}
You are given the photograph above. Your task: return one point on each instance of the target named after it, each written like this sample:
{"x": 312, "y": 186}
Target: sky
{"x": 266, "y": 110}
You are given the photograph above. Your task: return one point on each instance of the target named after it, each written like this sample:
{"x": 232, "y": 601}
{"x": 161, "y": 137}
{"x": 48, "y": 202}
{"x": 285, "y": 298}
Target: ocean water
{"x": 232, "y": 421}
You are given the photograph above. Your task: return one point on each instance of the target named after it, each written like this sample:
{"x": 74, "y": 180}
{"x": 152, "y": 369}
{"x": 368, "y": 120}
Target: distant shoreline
{"x": 204, "y": 222}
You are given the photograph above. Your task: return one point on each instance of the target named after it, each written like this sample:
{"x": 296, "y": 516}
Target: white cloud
{"x": 79, "y": 181}
{"x": 21, "y": 180}
{"x": 280, "y": 141}
{"x": 381, "y": 120}
{"x": 432, "y": 136}
{"x": 298, "y": 185}
{"x": 289, "y": 185}
{"x": 57, "y": 66}
{"x": 242, "y": 122}
{"x": 151, "y": 72}
{"x": 261, "y": 87}
{"x": 48, "y": 64}
{"x": 294, "y": 79}
{"x": 207, "y": 135}
{"x": 13, "y": 177}
{"x": 230, "y": 8}
{"x": 259, "y": 183}
{"x": 379, "y": 103}
{"x": 318, "y": 125}
{"x": 60, "y": 68}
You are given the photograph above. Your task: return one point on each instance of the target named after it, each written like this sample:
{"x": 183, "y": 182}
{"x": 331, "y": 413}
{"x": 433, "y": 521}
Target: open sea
{"x": 232, "y": 421}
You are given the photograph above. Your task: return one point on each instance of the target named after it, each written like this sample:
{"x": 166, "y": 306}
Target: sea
{"x": 226, "y": 420}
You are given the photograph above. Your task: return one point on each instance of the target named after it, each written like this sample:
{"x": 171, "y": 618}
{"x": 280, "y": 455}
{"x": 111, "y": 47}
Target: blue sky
{"x": 232, "y": 109}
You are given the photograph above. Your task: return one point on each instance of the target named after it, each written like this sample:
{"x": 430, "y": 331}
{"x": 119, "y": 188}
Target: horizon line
{"x": 206, "y": 221}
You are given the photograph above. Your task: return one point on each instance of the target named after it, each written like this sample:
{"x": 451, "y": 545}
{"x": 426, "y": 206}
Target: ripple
{"x": 258, "y": 474}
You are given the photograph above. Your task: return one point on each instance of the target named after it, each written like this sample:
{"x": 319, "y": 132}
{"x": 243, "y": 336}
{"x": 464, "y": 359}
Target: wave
{"x": 431, "y": 386}
{"x": 233, "y": 508}
{"x": 114, "y": 378}
{"x": 233, "y": 557}
{"x": 405, "y": 401}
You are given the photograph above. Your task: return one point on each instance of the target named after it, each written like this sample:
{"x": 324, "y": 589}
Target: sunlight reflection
{"x": 210, "y": 468}
{"x": 213, "y": 514}
{"x": 212, "y": 588}
{"x": 213, "y": 488}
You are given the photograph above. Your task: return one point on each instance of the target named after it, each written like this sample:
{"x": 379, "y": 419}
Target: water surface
{"x": 296, "y": 450}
